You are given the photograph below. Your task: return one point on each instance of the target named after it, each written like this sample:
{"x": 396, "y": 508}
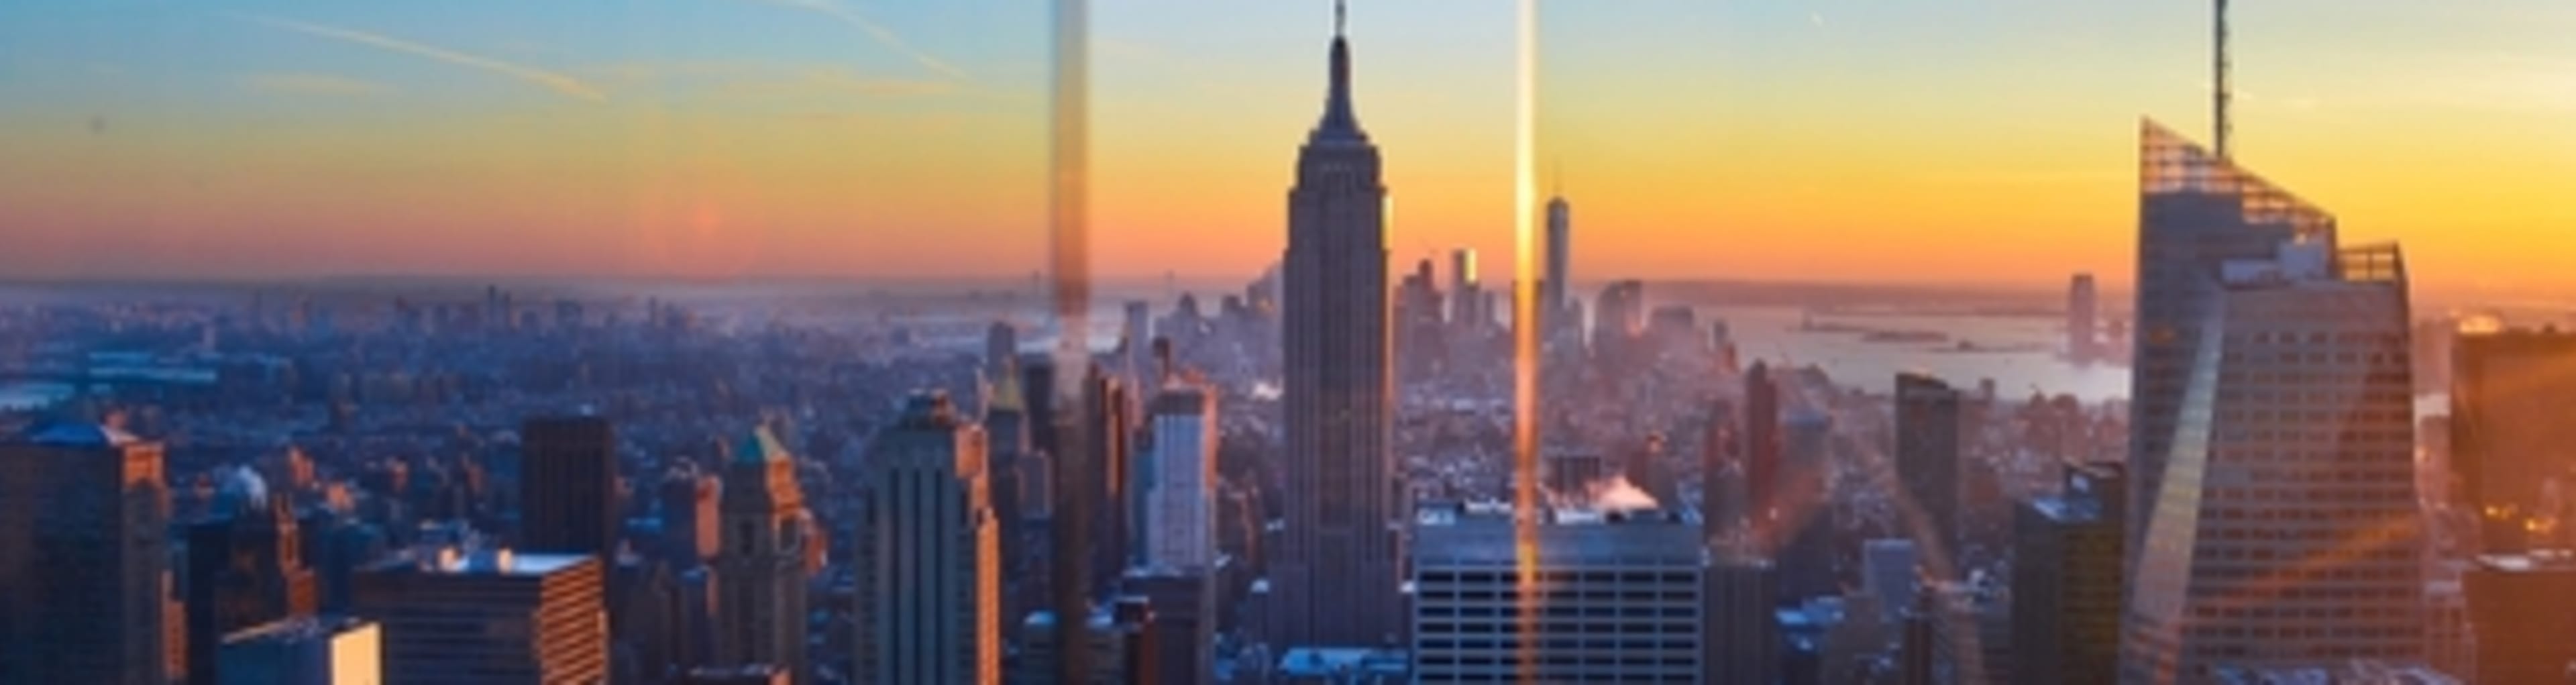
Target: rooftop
{"x": 453, "y": 561}
{"x": 297, "y": 629}
{"x": 1309, "y": 662}
{"x": 80, "y": 435}
{"x": 2532, "y": 561}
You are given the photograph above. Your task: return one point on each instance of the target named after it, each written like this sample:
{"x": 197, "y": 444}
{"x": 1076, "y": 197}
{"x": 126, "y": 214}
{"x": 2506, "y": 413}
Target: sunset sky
{"x": 1877, "y": 140}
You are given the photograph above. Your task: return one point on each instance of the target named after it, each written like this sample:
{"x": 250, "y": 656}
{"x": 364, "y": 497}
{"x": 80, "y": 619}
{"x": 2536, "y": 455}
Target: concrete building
{"x": 568, "y": 486}
{"x": 245, "y": 568}
{"x": 303, "y": 651}
{"x": 488, "y": 617}
{"x": 929, "y": 554}
{"x": 2294, "y": 458}
{"x": 1334, "y": 579}
{"x": 1183, "y": 624}
{"x": 1618, "y": 318}
{"x": 2067, "y": 580}
{"x": 84, "y": 564}
{"x": 1619, "y": 598}
{"x": 2522, "y": 610}
{"x": 1892, "y": 571}
{"x": 761, "y": 573}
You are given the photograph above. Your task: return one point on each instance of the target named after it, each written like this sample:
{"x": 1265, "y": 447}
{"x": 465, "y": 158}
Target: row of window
{"x": 1437, "y": 647}
{"x": 1452, "y": 629}
{"x": 1688, "y": 609}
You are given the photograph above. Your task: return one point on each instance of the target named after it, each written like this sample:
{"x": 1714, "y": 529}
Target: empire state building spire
{"x": 1340, "y": 123}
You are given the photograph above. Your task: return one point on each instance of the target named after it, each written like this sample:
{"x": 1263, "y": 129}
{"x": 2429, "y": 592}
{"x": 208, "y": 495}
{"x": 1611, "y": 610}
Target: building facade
{"x": 84, "y": 564}
{"x": 1619, "y": 598}
{"x": 568, "y": 486}
{"x": 304, "y": 651}
{"x": 2511, "y": 445}
{"x": 760, "y": 572}
{"x": 1334, "y": 580}
{"x": 488, "y": 617}
{"x": 1180, "y": 497}
{"x": 2067, "y": 580}
{"x": 929, "y": 554}
{"x": 2293, "y": 459}
{"x": 1927, "y": 466}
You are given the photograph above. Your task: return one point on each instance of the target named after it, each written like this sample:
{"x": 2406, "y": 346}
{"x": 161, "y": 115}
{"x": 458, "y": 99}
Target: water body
{"x": 2019, "y": 353}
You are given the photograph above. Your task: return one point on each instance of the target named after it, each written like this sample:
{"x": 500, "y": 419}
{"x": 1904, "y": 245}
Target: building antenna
{"x": 1341, "y": 17}
{"x": 2219, "y": 114}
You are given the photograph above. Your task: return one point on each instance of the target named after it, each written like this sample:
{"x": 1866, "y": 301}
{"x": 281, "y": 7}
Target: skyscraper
{"x": 1466, "y": 292}
{"x": 84, "y": 569}
{"x": 2083, "y": 305}
{"x": 760, "y": 574}
{"x": 1927, "y": 461}
{"x": 2511, "y": 444}
{"x": 1560, "y": 254}
{"x": 2293, "y": 459}
{"x": 930, "y": 579}
{"x": 1618, "y": 317}
{"x": 2520, "y": 606}
{"x": 2195, "y": 212}
{"x": 568, "y": 486}
{"x": 245, "y": 568}
{"x": 1761, "y": 435}
{"x": 1180, "y": 495}
{"x": 1335, "y": 578}
{"x": 2067, "y": 580}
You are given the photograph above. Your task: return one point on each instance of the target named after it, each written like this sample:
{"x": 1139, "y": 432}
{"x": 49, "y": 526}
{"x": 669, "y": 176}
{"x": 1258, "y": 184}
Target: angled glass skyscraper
{"x": 2283, "y": 527}
{"x": 1335, "y": 579}
{"x": 2195, "y": 212}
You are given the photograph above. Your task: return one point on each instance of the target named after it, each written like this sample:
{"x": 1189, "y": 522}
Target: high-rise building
{"x": 1560, "y": 275}
{"x": 761, "y": 571}
{"x": 2196, "y": 212}
{"x": 1334, "y": 581}
{"x": 1184, "y": 622}
{"x": 2511, "y": 442}
{"x": 2522, "y": 608}
{"x": 1001, "y": 351}
{"x": 1805, "y": 526}
{"x": 245, "y": 568}
{"x": 1744, "y": 643}
{"x": 1466, "y": 291}
{"x": 2067, "y": 580}
{"x": 930, "y": 578}
{"x": 1134, "y": 343}
{"x": 1641, "y": 571}
{"x": 304, "y": 651}
{"x": 1927, "y": 463}
{"x": 2083, "y": 306}
{"x": 1418, "y": 324}
{"x": 1722, "y": 497}
{"x": 84, "y": 563}
{"x": 488, "y": 617}
{"x": 688, "y": 502}
{"x": 568, "y": 486}
{"x": 1181, "y": 494}
{"x": 1618, "y": 316}
{"x": 2293, "y": 459}
{"x": 1761, "y": 448}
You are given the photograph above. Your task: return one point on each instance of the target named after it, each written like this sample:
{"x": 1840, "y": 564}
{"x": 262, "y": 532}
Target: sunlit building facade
{"x": 1619, "y": 598}
{"x": 2511, "y": 443}
{"x": 929, "y": 556}
{"x": 2285, "y": 532}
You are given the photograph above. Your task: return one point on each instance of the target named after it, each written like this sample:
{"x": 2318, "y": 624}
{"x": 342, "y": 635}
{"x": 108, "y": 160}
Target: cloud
{"x": 841, "y": 80}
{"x": 879, "y": 32}
{"x": 560, "y": 83}
{"x": 315, "y": 84}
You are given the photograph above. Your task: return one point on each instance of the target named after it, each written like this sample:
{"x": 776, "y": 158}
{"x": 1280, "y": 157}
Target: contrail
{"x": 883, "y": 36}
{"x": 558, "y": 82}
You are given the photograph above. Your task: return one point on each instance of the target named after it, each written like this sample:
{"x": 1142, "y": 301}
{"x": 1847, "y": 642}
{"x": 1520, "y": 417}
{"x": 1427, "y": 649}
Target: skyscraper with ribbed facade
{"x": 929, "y": 556}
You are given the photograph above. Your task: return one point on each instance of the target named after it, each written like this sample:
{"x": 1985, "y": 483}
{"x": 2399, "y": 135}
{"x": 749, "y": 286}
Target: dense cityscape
{"x": 2268, "y": 462}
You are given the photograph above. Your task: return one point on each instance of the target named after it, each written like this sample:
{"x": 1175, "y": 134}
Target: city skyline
{"x": 660, "y": 145}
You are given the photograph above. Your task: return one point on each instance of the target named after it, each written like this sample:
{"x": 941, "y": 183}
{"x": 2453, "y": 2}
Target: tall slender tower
{"x": 1335, "y": 579}
{"x": 760, "y": 574}
{"x": 1560, "y": 250}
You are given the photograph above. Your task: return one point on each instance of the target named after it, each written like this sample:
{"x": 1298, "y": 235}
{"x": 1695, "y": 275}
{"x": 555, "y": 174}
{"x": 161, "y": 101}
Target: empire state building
{"x": 1335, "y": 581}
